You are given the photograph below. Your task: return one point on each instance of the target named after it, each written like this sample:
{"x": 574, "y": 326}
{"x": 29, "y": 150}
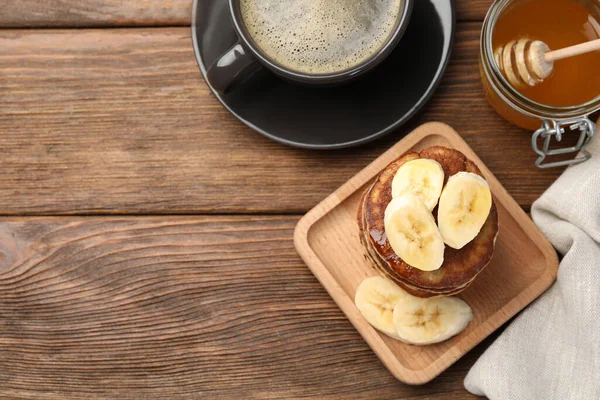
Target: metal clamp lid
{"x": 554, "y": 128}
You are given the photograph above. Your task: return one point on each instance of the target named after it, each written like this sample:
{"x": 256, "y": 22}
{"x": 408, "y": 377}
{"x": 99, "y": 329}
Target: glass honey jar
{"x": 564, "y": 101}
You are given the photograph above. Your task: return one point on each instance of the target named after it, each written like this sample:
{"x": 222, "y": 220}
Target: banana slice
{"x": 426, "y": 321}
{"x": 423, "y": 178}
{"x": 465, "y": 204}
{"x": 413, "y": 234}
{"x": 376, "y": 298}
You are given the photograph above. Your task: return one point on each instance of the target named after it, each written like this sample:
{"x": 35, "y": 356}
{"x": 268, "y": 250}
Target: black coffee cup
{"x": 245, "y": 58}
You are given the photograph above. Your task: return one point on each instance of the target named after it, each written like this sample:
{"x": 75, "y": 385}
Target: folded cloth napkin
{"x": 552, "y": 349}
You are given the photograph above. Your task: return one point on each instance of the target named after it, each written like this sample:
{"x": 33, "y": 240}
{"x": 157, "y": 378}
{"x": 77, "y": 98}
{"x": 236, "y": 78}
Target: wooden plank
{"x": 168, "y": 307}
{"x": 474, "y": 10}
{"x": 94, "y": 13}
{"x": 111, "y": 13}
{"x": 121, "y": 121}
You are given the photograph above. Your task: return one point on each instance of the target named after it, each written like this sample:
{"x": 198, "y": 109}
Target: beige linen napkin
{"x": 552, "y": 349}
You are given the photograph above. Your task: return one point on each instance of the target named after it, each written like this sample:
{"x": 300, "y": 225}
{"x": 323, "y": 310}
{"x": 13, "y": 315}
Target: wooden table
{"x": 146, "y": 235}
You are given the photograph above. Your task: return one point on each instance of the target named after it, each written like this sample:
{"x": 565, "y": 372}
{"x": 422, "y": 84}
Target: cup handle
{"x": 231, "y": 68}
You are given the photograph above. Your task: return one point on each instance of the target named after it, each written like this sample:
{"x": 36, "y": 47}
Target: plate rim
{"x": 424, "y": 99}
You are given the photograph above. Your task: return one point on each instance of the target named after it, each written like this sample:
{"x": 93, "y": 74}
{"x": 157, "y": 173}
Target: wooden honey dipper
{"x": 531, "y": 61}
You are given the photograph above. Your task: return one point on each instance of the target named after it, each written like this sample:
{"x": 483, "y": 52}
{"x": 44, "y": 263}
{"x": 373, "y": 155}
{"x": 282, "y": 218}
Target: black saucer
{"x": 342, "y": 116}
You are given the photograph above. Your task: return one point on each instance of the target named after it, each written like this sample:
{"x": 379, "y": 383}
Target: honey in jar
{"x": 564, "y": 101}
{"x": 559, "y": 24}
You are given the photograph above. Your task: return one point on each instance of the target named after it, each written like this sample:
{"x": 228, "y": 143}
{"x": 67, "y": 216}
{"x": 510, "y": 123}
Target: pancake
{"x": 460, "y": 267}
{"x": 377, "y": 263}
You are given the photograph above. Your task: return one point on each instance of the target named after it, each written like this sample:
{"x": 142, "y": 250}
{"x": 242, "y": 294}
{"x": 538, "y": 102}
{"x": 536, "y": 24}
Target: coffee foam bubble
{"x": 320, "y": 36}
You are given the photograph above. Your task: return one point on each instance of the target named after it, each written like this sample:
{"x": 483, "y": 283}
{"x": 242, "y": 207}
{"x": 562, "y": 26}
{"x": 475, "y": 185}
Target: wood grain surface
{"x": 116, "y": 121}
{"x": 94, "y": 13}
{"x": 188, "y": 307}
{"x": 120, "y": 121}
{"x": 111, "y": 13}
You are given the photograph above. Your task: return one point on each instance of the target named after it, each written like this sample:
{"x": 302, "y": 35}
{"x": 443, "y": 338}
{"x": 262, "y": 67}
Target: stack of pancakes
{"x": 460, "y": 267}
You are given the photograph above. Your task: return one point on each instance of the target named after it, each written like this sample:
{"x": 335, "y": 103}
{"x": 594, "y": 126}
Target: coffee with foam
{"x": 320, "y": 36}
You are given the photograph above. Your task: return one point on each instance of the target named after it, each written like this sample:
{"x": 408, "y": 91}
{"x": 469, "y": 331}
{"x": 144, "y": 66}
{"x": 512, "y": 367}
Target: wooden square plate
{"x": 523, "y": 267}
